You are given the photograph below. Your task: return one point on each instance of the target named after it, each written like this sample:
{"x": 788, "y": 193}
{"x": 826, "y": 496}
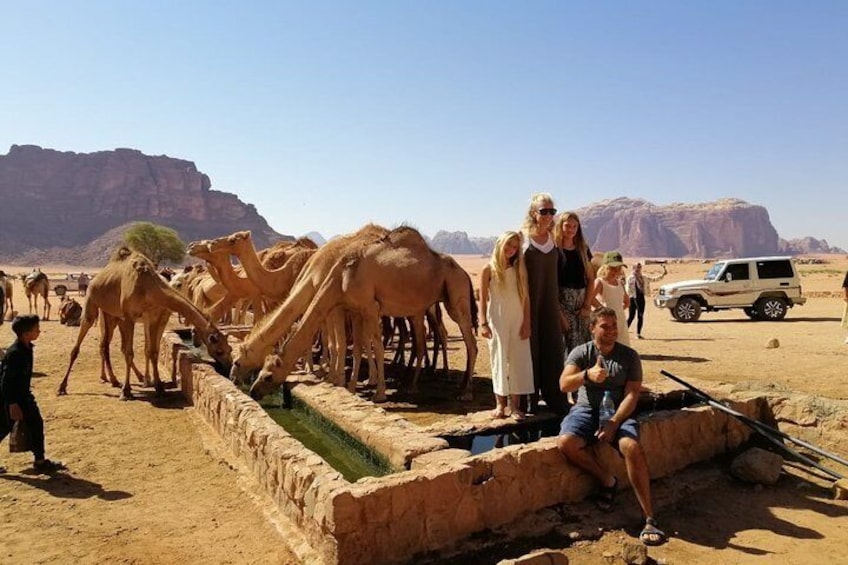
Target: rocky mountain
{"x": 54, "y": 200}
{"x": 484, "y": 244}
{"x": 728, "y": 227}
{"x": 807, "y": 245}
{"x": 456, "y": 243}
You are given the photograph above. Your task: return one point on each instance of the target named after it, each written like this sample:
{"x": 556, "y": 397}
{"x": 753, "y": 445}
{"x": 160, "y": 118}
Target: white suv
{"x": 764, "y": 287}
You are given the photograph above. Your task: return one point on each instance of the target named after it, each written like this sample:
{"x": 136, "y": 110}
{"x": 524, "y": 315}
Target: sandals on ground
{"x": 651, "y": 534}
{"x": 606, "y": 496}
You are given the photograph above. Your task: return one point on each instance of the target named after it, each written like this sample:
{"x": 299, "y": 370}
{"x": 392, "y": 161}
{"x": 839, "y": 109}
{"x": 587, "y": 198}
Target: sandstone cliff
{"x": 807, "y": 245}
{"x": 638, "y": 228}
{"x": 55, "y": 200}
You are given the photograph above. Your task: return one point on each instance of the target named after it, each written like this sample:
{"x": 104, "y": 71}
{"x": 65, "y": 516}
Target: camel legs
{"x": 419, "y": 341}
{"x": 107, "y": 330}
{"x": 460, "y": 312}
{"x": 127, "y": 328}
{"x": 338, "y": 349}
{"x": 47, "y": 306}
{"x": 372, "y": 329}
{"x": 88, "y": 319}
{"x": 153, "y": 331}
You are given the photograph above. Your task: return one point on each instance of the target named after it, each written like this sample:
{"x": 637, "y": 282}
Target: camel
{"x": 128, "y": 289}
{"x": 250, "y": 354}
{"x": 36, "y": 284}
{"x": 397, "y": 276}
{"x": 278, "y": 254}
{"x": 8, "y": 286}
{"x": 70, "y": 312}
{"x": 238, "y": 287}
{"x": 274, "y": 284}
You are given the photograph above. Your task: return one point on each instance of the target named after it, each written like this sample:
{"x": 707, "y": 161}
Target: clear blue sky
{"x": 448, "y": 114}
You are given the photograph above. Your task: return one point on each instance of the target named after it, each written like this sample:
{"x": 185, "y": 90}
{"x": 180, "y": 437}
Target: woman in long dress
{"x": 506, "y": 323}
{"x": 546, "y": 346}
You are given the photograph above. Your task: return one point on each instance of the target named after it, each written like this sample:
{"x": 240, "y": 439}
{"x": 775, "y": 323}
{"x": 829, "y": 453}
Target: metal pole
{"x": 766, "y": 431}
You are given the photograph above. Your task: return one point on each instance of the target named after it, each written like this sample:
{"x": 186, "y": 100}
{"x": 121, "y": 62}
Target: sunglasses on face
{"x": 547, "y": 211}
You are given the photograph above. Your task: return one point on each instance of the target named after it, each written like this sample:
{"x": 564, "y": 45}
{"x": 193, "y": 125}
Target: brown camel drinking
{"x": 399, "y": 275}
{"x": 129, "y": 290}
{"x": 250, "y": 355}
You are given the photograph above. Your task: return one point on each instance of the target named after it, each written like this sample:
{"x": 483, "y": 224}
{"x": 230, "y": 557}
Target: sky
{"x": 449, "y": 114}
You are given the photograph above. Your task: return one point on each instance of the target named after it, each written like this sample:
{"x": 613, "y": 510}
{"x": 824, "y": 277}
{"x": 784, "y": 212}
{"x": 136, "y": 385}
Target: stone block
{"x": 634, "y": 553}
{"x": 344, "y": 512}
{"x": 757, "y": 465}
{"x": 438, "y": 458}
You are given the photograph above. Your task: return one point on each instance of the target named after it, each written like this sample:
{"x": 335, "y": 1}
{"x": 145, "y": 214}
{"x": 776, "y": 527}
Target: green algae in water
{"x": 345, "y": 454}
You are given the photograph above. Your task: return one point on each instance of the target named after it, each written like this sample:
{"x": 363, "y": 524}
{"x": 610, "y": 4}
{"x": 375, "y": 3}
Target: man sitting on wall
{"x": 597, "y": 366}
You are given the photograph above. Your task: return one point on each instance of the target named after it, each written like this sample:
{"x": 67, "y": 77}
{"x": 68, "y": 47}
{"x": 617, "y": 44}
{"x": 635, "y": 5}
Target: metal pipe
{"x": 766, "y": 431}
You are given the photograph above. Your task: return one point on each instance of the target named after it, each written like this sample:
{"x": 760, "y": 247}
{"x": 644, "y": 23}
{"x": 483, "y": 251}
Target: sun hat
{"x": 613, "y": 259}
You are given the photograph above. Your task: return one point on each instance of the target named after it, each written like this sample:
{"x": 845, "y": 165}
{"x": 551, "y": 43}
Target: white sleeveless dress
{"x": 612, "y": 296}
{"x": 512, "y": 366}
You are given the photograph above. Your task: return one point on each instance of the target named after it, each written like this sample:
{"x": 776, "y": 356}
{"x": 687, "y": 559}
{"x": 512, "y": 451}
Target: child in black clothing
{"x": 16, "y": 397}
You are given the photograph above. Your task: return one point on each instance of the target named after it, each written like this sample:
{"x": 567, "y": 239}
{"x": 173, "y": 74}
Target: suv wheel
{"x": 771, "y": 308}
{"x": 61, "y": 290}
{"x": 687, "y": 310}
{"x": 752, "y": 313}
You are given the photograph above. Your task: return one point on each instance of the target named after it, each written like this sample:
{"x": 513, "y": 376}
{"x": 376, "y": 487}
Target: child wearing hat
{"x": 609, "y": 291}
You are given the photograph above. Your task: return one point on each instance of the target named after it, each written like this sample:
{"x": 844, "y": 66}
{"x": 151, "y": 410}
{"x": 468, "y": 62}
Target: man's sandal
{"x": 48, "y": 466}
{"x": 651, "y": 534}
{"x": 606, "y": 496}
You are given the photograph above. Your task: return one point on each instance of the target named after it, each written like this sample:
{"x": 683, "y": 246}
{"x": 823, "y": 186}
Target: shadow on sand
{"x": 65, "y": 485}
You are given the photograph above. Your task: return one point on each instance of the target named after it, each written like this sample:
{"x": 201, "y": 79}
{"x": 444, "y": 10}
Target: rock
{"x": 541, "y": 557}
{"x": 456, "y": 243}
{"x": 757, "y": 466}
{"x": 634, "y": 553}
{"x": 638, "y": 228}
{"x": 773, "y": 343}
{"x": 840, "y": 489}
{"x": 806, "y": 245}
{"x": 80, "y": 197}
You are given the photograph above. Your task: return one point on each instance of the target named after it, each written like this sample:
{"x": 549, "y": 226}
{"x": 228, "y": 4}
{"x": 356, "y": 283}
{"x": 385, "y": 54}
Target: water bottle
{"x": 607, "y": 410}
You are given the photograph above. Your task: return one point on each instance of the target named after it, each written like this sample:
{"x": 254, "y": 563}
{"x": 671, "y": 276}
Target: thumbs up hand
{"x": 598, "y": 373}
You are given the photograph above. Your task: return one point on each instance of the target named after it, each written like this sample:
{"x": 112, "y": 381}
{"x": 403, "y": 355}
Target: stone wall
{"x": 390, "y": 519}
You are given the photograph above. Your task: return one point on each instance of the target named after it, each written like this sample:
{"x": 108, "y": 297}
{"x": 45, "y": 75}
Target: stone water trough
{"x": 437, "y": 496}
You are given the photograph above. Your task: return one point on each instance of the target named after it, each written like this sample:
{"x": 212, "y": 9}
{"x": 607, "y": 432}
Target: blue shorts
{"x": 581, "y": 422}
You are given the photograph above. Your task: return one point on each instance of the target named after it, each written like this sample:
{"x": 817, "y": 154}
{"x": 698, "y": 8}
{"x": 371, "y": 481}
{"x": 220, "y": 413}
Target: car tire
{"x": 772, "y": 308}
{"x": 61, "y": 290}
{"x": 687, "y": 310}
{"x": 752, "y": 313}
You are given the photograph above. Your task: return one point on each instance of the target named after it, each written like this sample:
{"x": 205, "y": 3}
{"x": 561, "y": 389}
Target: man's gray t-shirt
{"x": 622, "y": 365}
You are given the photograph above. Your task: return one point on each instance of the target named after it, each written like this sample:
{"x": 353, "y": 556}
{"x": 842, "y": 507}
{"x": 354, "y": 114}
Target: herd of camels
{"x": 343, "y": 292}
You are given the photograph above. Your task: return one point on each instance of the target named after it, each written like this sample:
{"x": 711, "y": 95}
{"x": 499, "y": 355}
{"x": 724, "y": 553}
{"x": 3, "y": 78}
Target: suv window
{"x": 738, "y": 271}
{"x": 775, "y": 269}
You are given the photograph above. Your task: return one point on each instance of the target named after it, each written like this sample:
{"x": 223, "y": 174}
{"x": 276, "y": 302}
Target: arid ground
{"x": 147, "y": 483}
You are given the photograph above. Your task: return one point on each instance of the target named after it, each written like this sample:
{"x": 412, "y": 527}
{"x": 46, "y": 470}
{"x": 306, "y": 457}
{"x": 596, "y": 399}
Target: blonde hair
{"x": 498, "y": 263}
{"x": 579, "y": 240}
{"x": 604, "y": 269}
{"x": 535, "y": 201}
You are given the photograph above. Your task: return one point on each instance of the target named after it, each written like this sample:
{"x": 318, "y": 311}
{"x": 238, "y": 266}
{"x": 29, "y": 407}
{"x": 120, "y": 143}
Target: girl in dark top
{"x": 546, "y": 346}
{"x": 575, "y": 276}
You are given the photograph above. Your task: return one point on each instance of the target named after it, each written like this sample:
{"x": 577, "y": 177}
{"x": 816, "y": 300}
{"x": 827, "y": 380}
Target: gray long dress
{"x": 546, "y": 343}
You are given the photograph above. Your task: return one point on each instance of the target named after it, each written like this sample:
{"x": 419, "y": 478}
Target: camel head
{"x": 243, "y": 364}
{"x": 198, "y": 248}
{"x": 271, "y": 377}
{"x": 219, "y": 349}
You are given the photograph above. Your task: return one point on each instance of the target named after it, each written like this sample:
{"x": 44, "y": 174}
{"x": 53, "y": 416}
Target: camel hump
{"x": 405, "y": 236}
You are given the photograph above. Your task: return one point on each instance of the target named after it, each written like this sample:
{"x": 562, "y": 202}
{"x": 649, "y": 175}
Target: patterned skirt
{"x": 570, "y": 302}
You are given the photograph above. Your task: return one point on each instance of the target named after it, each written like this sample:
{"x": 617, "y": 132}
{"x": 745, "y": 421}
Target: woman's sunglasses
{"x": 547, "y": 211}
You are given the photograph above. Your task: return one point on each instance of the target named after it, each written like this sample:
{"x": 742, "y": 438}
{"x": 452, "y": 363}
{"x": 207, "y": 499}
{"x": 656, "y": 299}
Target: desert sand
{"x": 147, "y": 483}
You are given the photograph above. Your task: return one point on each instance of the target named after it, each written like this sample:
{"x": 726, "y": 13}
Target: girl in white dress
{"x": 505, "y": 308}
{"x": 609, "y": 292}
